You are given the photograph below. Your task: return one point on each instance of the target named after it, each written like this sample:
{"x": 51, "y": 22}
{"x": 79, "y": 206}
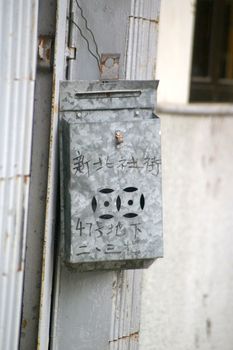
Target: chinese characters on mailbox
{"x": 82, "y": 165}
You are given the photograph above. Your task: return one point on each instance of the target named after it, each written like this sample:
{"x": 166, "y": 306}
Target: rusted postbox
{"x": 111, "y": 174}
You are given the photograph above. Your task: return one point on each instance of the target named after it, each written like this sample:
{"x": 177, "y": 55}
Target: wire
{"x": 89, "y": 30}
{"x": 88, "y": 46}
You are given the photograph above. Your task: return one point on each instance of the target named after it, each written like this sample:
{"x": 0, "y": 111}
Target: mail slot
{"x": 110, "y": 174}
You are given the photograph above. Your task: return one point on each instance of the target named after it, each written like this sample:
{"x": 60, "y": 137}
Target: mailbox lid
{"x": 112, "y": 203}
{"x": 102, "y": 95}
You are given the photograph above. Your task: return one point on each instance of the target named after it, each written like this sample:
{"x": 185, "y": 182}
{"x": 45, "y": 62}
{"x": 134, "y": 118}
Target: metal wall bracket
{"x": 70, "y": 53}
{"x": 45, "y": 51}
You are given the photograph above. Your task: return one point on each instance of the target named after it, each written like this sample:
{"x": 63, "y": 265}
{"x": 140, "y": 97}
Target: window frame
{"x": 211, "y": 88}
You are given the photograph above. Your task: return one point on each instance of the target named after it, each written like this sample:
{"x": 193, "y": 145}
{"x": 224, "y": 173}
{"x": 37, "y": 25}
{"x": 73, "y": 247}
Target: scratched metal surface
{"x": 113, "y": 211}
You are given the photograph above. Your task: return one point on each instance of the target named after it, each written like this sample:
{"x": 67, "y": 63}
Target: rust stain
{"x": 145, "y": 19}
{"x": 133, "y": 336}
{"x": 26, "y": 178}
{"x": 47, "y": 54}
{"x": 24, "y": 323}
{"x": 45, "y": 48}
{"x": 25, "y": 78}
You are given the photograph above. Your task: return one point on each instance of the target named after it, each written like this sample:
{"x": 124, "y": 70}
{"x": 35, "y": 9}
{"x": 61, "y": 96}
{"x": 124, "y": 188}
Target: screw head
{"x": 119, "y": 137}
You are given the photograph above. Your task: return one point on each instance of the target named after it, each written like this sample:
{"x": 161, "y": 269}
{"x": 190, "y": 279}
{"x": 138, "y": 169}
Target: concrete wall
{"x": 187, "y": 300}
{"x": 175, "y": 50}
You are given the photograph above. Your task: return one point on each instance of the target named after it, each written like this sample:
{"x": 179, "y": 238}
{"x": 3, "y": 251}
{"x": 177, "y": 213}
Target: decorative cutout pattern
{"x": 130, "y": 215}
{"x": 130, "y": 189}
{"x": 106, "y": 190}
{"x": 118, "y": 203}
{"x": 94, "y": 204}
{"x": 142, "y": 202}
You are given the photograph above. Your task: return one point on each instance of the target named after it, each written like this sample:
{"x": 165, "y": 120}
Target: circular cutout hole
{"x": 106, "y": 204}
{"x": 130, "y": 202}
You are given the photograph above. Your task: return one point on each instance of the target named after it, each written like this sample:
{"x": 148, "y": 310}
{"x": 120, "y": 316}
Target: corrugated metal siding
{"x": 18, "y": 39}
{"x": 142, "y": 39}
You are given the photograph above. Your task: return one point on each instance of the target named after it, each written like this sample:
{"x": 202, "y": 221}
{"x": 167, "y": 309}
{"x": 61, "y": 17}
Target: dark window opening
{"x": 212, "y": 65}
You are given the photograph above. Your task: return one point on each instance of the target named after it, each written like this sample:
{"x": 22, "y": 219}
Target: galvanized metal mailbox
{"x": 111, "y": 174}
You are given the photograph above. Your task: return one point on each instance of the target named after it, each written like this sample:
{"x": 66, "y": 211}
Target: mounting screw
{"x": 119, "y": 137}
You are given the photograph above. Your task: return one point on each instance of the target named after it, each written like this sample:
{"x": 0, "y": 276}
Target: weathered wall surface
{"x": 175, "y": 50}
{"x": 187, "y": 296}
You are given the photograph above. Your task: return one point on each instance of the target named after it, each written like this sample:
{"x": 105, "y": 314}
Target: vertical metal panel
{"x": 18, "y": 39}
{"x": 125, "y": 321}
{"x": 38, "y": 186}
{"x": 51, "y": 200}
{"x": 142, "y": 44}
{"x": 109, "y": 22}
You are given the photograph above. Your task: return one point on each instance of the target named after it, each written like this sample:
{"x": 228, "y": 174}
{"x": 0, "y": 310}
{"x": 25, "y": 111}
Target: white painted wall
{"x": 175, "y": 50}
{"x": 187, "y": 299}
